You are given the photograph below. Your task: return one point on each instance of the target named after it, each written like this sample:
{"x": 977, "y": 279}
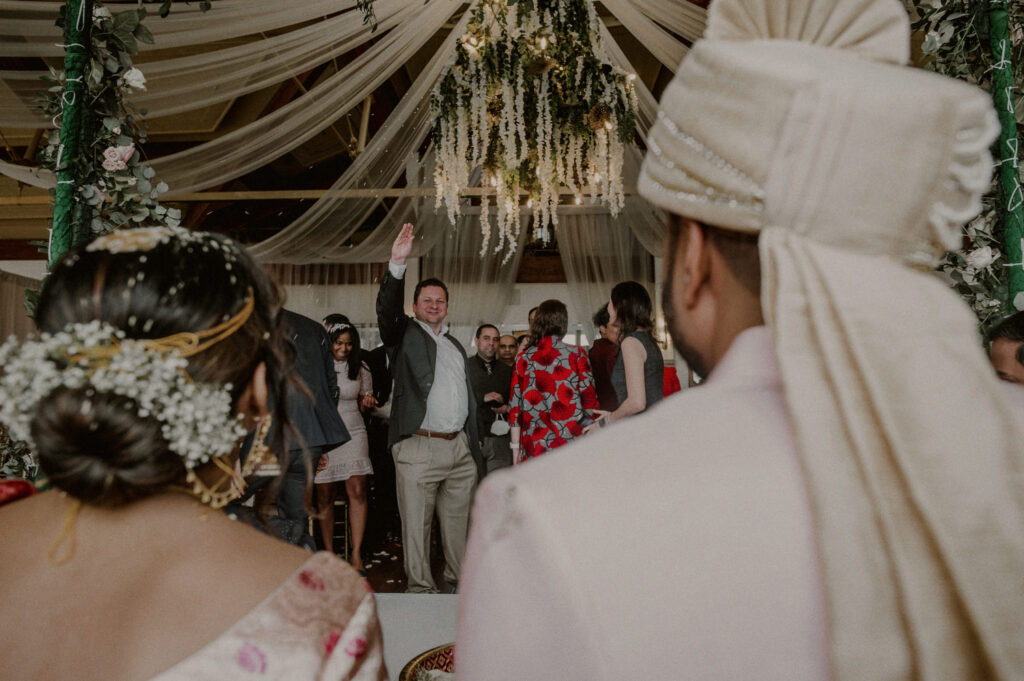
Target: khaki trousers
{"x": 433, "y": 473}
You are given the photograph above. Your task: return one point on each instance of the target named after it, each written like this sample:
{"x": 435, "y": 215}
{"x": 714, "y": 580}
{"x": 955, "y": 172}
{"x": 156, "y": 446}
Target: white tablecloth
{"x": 414, "y": 623}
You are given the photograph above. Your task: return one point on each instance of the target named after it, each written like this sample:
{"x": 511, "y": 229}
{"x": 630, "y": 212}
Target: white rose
{"x": 134, "y": 79}
{"x": 101, "y": 13}
{"x": 980, "y": 258}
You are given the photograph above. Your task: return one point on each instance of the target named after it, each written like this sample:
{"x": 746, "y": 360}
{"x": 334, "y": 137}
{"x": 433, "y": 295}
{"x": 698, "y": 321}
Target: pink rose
{"x": 331, "y": 640}
{"x": 251, "y": 659}
{"x": 111, "y": 154}
{"x": 126, "y": 152}
{"x": 356, "y": 647}
{"x": 310, "y": 580}
{"x": 111, "y": 165}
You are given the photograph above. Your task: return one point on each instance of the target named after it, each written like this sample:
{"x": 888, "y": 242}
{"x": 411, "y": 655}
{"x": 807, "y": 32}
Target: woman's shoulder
{"x": 322, "y": 616}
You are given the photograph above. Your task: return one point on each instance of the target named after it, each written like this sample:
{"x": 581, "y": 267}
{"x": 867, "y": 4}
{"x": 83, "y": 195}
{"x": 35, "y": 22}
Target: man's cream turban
{"x": 798, "y": 120}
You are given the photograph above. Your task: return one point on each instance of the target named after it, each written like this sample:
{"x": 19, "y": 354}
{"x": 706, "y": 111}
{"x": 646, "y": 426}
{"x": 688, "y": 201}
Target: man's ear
{"x": 253, "y": 401}
{"x": 693, "y": 251}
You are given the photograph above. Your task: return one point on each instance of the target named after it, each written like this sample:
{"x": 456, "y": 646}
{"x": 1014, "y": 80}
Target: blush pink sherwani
{"x": 677, "y": 544}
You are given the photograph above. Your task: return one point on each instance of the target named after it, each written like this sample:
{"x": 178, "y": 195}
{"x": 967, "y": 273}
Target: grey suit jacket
{"x": 413, "y": 355}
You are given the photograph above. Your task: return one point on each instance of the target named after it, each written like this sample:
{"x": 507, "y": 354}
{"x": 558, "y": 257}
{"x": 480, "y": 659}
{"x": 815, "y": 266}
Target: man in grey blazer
{"x": 432, "y": 431}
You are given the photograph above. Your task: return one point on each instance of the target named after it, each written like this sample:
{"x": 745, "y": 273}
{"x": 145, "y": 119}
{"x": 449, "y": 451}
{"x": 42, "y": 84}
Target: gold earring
{"x": 261, "y": 458}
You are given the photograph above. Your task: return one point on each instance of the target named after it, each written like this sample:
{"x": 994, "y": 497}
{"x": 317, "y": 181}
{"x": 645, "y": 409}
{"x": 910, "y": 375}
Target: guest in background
{"x": 1006, "y": 349}
{"x": 382, "y": 523}
{"x": 492, "y": 382}
{"x": 507, "y": 349}
{"x": 602, "y": 359}
{"x": 531, "y": 315}
{"x": 523, "y": 341}
{"x": 350, "y": 462}
{"x": 553, "y": 397}
{"x": 313, "y": 411}
{"x": 639, "y": 367}
{"x": 433, "y": 420}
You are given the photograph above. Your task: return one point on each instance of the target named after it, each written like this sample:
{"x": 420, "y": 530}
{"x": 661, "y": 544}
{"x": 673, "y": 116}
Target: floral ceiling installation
{"x": 530, "y": 99}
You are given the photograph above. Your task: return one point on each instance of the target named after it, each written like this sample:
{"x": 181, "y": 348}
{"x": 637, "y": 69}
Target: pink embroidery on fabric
{"x": 311, "y": 580}
{"x": 356, "y": 647}
{"x": 251, "y": 659}
{"x": 331, "y": 640}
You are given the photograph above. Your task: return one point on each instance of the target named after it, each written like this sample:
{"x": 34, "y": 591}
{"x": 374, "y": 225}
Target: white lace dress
{"x": 353, "y": 457}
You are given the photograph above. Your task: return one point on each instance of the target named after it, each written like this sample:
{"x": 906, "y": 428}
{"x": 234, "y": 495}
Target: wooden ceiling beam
{"x": 279, "y": 194}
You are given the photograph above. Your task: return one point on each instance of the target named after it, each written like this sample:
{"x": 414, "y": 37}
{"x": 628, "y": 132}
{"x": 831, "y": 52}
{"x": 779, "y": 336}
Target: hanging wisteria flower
{"x": 134, "y": 79}
{"x": 196, "y": 418}
{"x": 531, "y": 100}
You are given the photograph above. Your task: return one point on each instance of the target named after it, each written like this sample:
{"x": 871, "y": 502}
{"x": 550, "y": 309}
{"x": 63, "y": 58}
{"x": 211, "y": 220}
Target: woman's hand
{"x": 601, "y": 420}
{"x": 367, "y": 402}
{"x": 321, "y": 463}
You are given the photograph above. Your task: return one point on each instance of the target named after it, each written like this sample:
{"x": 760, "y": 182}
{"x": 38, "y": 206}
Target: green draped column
{"x": 77, "y": 25}
{"x": 1010, "y": 194}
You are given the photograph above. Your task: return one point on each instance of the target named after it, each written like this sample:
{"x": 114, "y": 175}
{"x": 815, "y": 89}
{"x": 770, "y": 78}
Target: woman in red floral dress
{"x": 553, "y": 396}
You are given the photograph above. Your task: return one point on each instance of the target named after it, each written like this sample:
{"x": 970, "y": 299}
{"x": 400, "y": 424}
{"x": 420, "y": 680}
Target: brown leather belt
{"x": 443, "y": 436}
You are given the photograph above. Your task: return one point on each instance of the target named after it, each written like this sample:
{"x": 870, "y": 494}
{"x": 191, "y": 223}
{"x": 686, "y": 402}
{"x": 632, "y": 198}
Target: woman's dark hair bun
{"x": 97, "y": 448}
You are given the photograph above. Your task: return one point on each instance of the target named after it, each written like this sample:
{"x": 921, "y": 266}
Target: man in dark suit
{"x": 432, "y": 432}
{"x": 492, "y": 383}
{"x": 312, "y": 409}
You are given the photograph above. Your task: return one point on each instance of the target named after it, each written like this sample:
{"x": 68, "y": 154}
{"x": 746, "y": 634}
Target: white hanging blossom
{"x": 531, "y": 99}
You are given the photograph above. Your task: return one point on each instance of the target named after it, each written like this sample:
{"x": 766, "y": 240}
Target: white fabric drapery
{"x": 597, "y": 253}
{"x": 196, "y": 81}
{"x": 324, "y": 232}
{"x": 321, "y": 234}
{"x": 479, "y": 286}
{"x": 277, "y": 133}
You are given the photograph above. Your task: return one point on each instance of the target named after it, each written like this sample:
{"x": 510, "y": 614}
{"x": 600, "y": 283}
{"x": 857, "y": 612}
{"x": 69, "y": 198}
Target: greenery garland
{"x": 956, "y": 43}
{"x": 529, "y": 98}
{"x": 114, "y": 187}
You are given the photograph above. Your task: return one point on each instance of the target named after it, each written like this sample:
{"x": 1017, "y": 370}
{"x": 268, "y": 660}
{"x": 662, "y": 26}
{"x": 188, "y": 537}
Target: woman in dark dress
{"x": 639, "y": 367}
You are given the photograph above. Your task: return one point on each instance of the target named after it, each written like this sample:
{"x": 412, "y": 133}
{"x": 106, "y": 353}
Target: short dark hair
{"x": 632, "y": 306}
{"x": 429, "y": 281}
{"x": 1011, "y": 328}
{"x": 552, "y": 320}
{"x": 601, "y": 317}
{"x": 480, "y": 329}
{"x": 739, "y": 250}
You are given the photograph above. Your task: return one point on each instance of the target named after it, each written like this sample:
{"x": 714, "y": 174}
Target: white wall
{"x": 25, "y": 268}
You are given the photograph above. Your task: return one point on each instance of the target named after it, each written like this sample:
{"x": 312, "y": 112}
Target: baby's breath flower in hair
{"x": 195, "y": 418}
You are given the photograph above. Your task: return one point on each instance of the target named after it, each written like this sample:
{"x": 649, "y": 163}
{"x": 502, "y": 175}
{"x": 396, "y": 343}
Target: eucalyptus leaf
{"x": 125, "y": 22}
{"x": 143, "y": 35}
{"x": 161, "y": 187}
{"x": 143, "y": 186}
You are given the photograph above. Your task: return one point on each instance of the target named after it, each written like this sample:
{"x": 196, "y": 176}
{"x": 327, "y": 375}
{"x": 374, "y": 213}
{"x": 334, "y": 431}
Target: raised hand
{"x": 402, "y": 247}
